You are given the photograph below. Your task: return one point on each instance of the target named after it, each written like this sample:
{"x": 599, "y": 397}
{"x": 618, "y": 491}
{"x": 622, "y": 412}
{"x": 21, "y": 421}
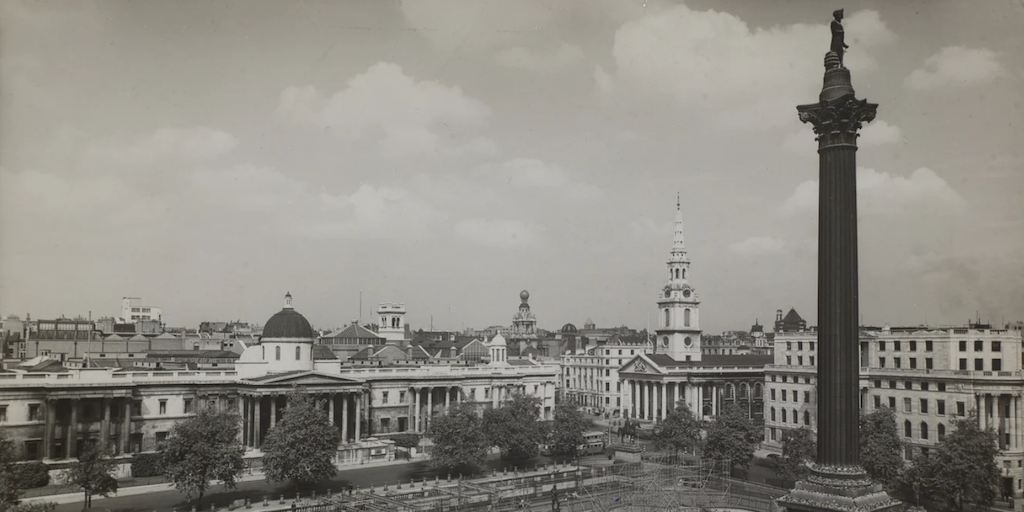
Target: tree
{"x": 798, "y": 448}
{"x": 733, "y": 436}
{"x": 514, "y": 427}
{"x": 962, "y": 473}
{"x": 881, "y": 448}
{"x": 11, "y": 482}
{"x": 458, "y": 438}
{"x": 202, "y": 449}
{"x": 680, "y": 432}
{"x": 302, "y": 447}
{"x": 567, "y": 429}
{"x": 92, "y": 472}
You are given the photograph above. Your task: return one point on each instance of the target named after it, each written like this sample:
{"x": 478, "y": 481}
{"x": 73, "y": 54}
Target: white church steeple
{"x": 678, "y": 306}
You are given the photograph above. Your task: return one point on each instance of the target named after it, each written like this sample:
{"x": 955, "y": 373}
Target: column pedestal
{"x": 838, "y": 489}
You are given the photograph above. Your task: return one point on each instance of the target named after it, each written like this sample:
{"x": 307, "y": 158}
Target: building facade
{"x": 927, "y": 376}
{"x": 52, "y": 412}
{"x": 590, "y": 377}
{"x": 133, "y": 310}
{"x": 677, "y": 370}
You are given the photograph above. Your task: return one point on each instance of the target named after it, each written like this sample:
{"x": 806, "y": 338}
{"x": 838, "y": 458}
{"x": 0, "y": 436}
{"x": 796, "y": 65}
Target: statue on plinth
{"x": 838, "y": 36}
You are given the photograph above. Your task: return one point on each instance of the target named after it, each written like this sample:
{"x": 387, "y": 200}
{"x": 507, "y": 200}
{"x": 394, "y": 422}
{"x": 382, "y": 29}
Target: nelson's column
{"x": 837, "y": 482}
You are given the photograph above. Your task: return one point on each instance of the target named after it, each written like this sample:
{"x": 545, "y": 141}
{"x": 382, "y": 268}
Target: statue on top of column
{"x": 838, "y": 36}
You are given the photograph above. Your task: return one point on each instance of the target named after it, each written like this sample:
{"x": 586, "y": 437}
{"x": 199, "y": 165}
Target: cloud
{"x": 539, "y": 61}
{"x": 194, "y": 144}
{"x": 497, "y": 233}
{"x": 878, "y": 133}
{"x": 802, "y": 142}
{"x": 710, "y": 62}
{"x": 955, "y": 66}
{"x": 401, "y": 115}
{"x": 758, "y": 246}
{"x": 881, "y": 193}
{"x": 961, "y": 284}
{"x": 536, "y": 174}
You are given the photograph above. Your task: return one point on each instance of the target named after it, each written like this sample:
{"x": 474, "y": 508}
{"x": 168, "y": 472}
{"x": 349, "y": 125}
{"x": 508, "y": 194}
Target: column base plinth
{"x": 838, "y": 489}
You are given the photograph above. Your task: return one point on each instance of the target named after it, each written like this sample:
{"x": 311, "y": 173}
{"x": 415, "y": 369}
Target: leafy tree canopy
{"x": 93, "y": 473}
{"x": 202, "y": 448}
{"x": 567, "y": 430}
{"x": 798, "y": 448}
{"x": 881, "y": 448}
{"x": 458, "y": 438}
{"x": 514, "y": 427}
{"x": 301, "y": 448}
{"x": 10, "y": 482}
{"x": 680, "y": 432}
{"x": 961, "y": 473}
{"x": 733, "y": 436}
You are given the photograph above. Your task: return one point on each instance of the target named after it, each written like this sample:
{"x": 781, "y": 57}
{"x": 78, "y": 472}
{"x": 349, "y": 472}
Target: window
{"x": 896, "y": 345}
{"x": 941, "y": 430}
{"x": 892, "y": 384}
{"x": 881, "y": 362}
{"x": 607, "y": 386}
{"x": 940, "y": 407}
{"x": 941, "y": 386}
{"x": 928, "y": 346}
{"x": 913, "y": 362}
{"x": 807, "y": 418}
{"x": 924, "y": 406}
{"x": 668, "y": 318}
{"x": 773, "y": 394}
{"x": 963, "y": 346}
{"x": 384, "y": 397}
{"x": 896, "y": 362}
{"x": 188, "y": 405}
{"x": 298, "y": 353}
{"x": 878, "y": 383}
{"x": 686, "y": 317}
{"x": 34, "y": 413}
{"x": 979, "y": 365}
{"x": 908, "y": 384}
{"x": 881, "y": 345}
{"x": 799, "y": 345}
{"x": 924, "y": 430}
{"x": 773, "y": 414}
{"x": 789, "y": 360}
{"x": 924, "y": 386}
{"x": 878, "y": 402}
{"x": 997, "y": 346}
{"x": 963, "y": 363}
{"x": 800, "y": 360}
{"x": 789, "y": 345}
{"x": 892, "y": 403}
{"x": 783, "y": 395}
{"x": 979, "y": 345}
{"x": 961, "y": 409}
{"x": 783, "y": 415}
{"x": 161, "y": 438}
{"x": 812, "y": 360}
{"x": 929, "y": 364}
{"x": 137, "y": 408}
{"x": 773, "y": 432}
{"x": 908, "y": 405}
{"x": 3, "y": 414}
{"x": 907, "y": 429}
{"x": 997, "y": 365}
{"x": 277, "y": 353}
{"x": 163, "y": 407}
{"x": 807, "y": 397}
{"x": 913, "y": 345}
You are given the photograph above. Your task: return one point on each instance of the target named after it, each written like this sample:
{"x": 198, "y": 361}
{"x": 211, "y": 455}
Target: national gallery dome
{"x": 288, "y": 324}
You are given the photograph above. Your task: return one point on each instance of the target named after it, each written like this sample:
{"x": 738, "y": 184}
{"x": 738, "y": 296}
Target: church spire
{"x": 677, "y": 238}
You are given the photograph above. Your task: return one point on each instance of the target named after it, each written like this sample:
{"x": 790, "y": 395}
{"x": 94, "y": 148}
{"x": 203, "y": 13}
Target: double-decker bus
{"x": 593, "y": 443}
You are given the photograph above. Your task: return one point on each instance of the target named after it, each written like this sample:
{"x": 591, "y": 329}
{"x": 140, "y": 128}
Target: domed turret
{"x": 569, "y": 329}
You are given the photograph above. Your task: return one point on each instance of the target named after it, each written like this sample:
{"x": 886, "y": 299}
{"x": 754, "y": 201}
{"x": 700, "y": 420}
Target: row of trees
{"x": 462, "y": 438}
{"x": 960, "y": 472}
{"x": 202, "y": 449}
{"x": 731, "y": 436}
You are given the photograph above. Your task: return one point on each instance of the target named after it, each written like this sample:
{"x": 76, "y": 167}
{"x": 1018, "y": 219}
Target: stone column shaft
{"x": 105, "y": 426}
{"x": 257, "y": 434}
{"x": 51, "y": 426}
{"x": 359, "y": 426}
{"x": 344, "y": 416}
{"x": 72, "y": 444}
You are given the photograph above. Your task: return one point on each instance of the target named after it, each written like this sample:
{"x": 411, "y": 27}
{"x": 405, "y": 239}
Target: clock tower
{"x": 678, "y": 305}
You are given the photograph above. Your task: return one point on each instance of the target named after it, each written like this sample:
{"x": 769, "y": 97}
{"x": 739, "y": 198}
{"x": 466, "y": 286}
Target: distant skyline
{"x": 210, "y": 156}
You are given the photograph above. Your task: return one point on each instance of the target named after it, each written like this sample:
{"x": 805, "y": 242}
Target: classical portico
{"x": 425, "y": 401}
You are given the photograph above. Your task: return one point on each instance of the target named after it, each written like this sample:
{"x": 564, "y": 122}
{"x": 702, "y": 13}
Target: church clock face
{"x": 687, "y": 341}
{"x": 664, "y": 341}
{"x": 668, "y": 293}
{"x": 686, "y": 293}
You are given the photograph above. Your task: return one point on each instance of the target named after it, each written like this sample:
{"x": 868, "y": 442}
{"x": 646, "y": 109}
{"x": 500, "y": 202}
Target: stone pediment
{"x": 640, "y": 365}
{"x": 303, "y": 378}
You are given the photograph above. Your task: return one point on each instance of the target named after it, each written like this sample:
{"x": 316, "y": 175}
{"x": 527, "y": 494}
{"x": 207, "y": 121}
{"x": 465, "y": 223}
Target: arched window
{"x": 686, "y": 317}
{"x": 941, "y": 430}
{"x": 796, "y": 417}
{"x": 264, "y": 347}
{"x": 277, "y": 353}
{"x": 298, "y": 353}
{"x": 677, "y": 273}
{"x": 907, "y": 429}
{"x": 684, "y": 273}
{"x": 807, "y": 418}
{"x": 758, "y": 391}
{"x": 773, "y": 414}
{"x": 924, "y": 430}
{"x": 668, "y": 318}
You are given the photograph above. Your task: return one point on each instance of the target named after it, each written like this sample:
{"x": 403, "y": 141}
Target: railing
{"x": 94, "y": 377}
{"x": 866, "y": 372}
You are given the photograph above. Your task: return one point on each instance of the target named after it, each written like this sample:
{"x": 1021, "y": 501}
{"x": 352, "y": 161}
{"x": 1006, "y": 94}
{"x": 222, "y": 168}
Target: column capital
{"x": 836, "y": 122}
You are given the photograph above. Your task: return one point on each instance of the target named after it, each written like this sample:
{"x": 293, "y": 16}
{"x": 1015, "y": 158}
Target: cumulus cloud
{"x": 541, "y": 61}
{"x": 189, "y": 144}
{"x": 882, "y": 193}
{"x": 878, "y": 133}
{"x": 955, "y": 66}
{"x": 962, "y": 284}
{"x": 711, "y": 61}
{"x": 537, "y": 174}
{"x": 401, "y": 115}
{"x": 758, "y": 246}
{"x": 497, "y": 233}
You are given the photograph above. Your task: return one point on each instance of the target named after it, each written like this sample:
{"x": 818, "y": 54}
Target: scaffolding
{"x": 657, "y": 483}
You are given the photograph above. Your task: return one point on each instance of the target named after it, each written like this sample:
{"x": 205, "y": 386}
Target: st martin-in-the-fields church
{"x": 653, "y": 383}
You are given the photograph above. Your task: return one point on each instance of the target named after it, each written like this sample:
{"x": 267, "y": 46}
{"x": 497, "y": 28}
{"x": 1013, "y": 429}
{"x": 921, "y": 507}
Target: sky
{"x": 210, "y": 156}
